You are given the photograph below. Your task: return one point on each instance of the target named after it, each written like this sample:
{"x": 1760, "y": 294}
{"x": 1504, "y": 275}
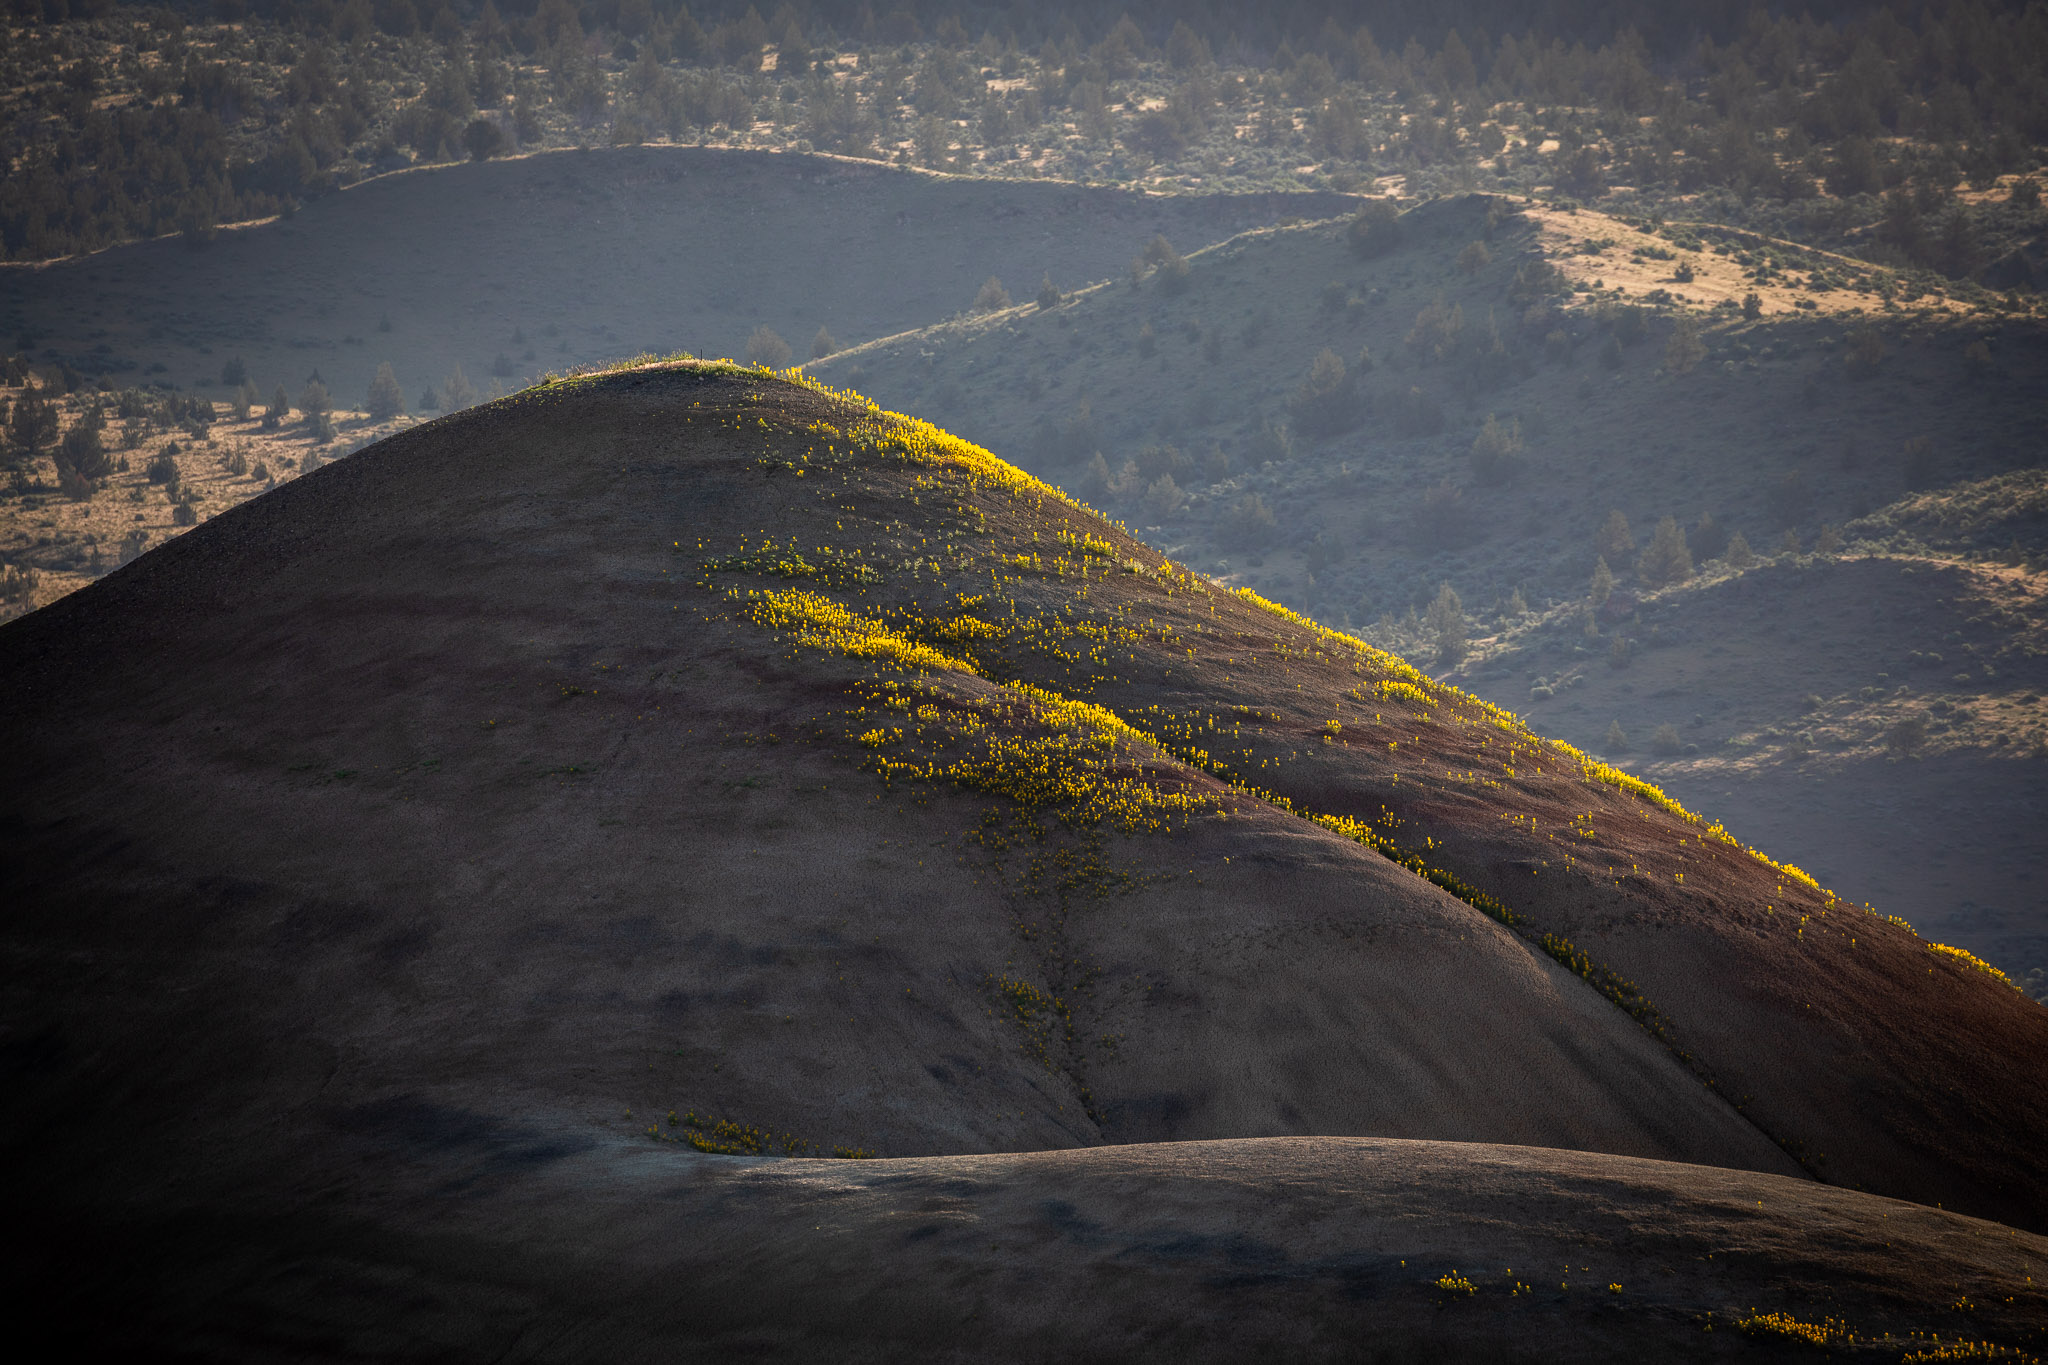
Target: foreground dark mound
{"x": 685, "y": 756}
{"x": 543, "y": 1242}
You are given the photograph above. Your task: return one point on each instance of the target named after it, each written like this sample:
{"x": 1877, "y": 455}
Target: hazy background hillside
{"x": 1423, "y": 326}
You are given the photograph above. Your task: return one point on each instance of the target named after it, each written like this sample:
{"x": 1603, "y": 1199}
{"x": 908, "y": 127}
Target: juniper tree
{"x": 457, "y": 392}
{"x": 1665, "y": 559}
{"x": 385, "y": 400}
{"x": 33, "y": 424}
{"x": 1684, "y": 351}
{"x": 1327, "y": 402}
{"x": 1496, "y": 450}
{"x": 766, "y": 347}
{"x": 1446, "y": 621}
{"x": 1615, "y": 542}
{"x": 992, "y": 296}
{"x": 822, "y": 344}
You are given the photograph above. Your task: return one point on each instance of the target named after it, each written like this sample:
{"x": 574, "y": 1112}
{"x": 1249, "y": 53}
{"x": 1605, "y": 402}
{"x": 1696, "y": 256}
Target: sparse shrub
{"x": 1665, "y": 559}
{"x": 1474, "y": 258}
{"x": 1686, "y": 272}
{"x": 1168, "y": 266}
{"x": 992, "y": 296}
{"x": 1907, "y": 736}
{"x": 1738, "y": 555}
{"x": 1327, "y": 402}
{"x": 1434, "y": 334}
{"x": 2026, "y": 193}
{"x": 260, "y": 472}
{"x": 766, "y": 347}
{"x": 1664, "y": 740}
{"x": 385, "y": 399}
{"x": 184, "y": 514}
{"x": 1617, "y": 738}
{"x": 313, "y": 400}
{"x": 1446, "y": 621}
{"x": 1497, "y": 449}
{"x": 822, "y": 345}
{"x": 164, "y": 468}
{"x": 1684, "y": 350}
{"x": 279, "y": 409}
{"x": 322, "y": 424}
{"x": 1249, "y": 524}
{"x": 1752, "y": 306}
{"x": 245, "y": 400}
{"x": 1375, "y": 229}
{"x": 1620, "y": 654}
{"x": 1048, "y": 295}
{"x": 237, "y": 463}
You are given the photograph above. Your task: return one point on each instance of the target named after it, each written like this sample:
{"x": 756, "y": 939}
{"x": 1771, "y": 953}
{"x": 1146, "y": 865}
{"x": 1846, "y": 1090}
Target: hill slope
{"x": 1358, "y": 506}
{"x": 560, "y": 258}
{"x": 683, "y": 753}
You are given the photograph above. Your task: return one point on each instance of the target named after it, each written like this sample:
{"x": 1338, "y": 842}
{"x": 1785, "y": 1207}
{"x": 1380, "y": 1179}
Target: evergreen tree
{"x": 82, "y": 453}
{"x": 1666, "y": 559}
{"x": 1446, "y": 621}
{"x": 385, "y": 400}
{"x": 1602, "y": 586}
{"x": 822, "y": 345}
{"x": 1684, "y": 351}
{"x": 1615, "y": 542}
{"x": 457, "y": 392}
{"x": 766, "y": 347}
{"x": 34, "y": 423}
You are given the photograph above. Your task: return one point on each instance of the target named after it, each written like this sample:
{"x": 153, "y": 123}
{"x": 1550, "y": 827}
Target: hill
{"x": 1490, "y": 396}
{"x": 419, "y": 861}
{"x": 510, "y": 268}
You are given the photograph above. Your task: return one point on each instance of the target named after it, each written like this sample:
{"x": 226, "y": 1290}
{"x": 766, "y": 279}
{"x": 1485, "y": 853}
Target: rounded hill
{"x": 688, "y": 763}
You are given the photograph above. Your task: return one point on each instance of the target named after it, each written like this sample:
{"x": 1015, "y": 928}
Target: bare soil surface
{"x": 406, "y": 863}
